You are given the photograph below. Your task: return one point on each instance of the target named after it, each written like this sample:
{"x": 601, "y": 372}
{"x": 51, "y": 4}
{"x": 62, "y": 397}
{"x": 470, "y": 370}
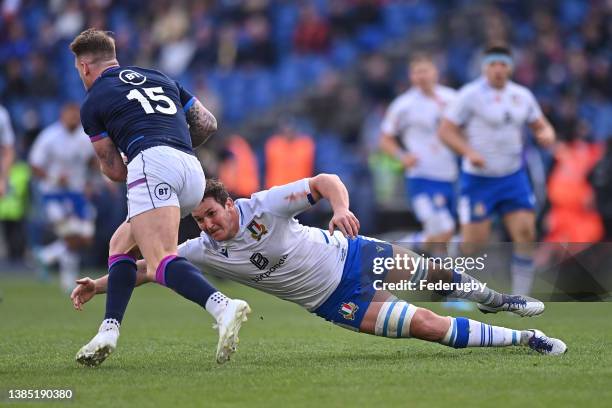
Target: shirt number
{"x": 155, "y": 94}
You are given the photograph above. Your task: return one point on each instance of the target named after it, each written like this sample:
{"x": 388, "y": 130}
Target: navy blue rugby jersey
{"x": 137, "y": 108}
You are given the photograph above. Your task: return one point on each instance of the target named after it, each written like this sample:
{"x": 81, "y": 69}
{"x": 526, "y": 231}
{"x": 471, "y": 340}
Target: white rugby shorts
{"x": 161, "y": 176}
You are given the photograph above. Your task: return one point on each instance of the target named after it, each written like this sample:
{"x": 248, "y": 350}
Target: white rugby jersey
{"x": 60, "y": 152}
{"x": 272, "y": 251}
{"x": 415, "y": 117}
{"x": 493, "y": 123}
{"x": 7, "y": 137}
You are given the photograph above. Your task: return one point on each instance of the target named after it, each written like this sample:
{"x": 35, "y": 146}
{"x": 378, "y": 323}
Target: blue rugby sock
{"x": 185, "y": 279}
{"x": 121, "y": 282}
{"x": 464, "y": 332}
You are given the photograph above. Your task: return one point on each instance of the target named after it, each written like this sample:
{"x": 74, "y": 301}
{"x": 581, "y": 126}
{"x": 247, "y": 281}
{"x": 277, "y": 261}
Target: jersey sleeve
{"x": 7, "y": 136}
{"x": 391, "y": 122}
{"x": 534, "y": 112}
{"x": 39, "y": 151}
{"x": 287, "y": 200}
{"x": 192, "y": 250}
{"x": 186, "y": 97}
{"x": 92, "y": 122}
{"x": 458, "y": 110}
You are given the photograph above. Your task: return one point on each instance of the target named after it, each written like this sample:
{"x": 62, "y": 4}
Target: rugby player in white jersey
{"x": 485, "y": 125}
{"x": 61, "y": 159}
{"x": 7, "y": 149}
{"x": 431, "y": 167}
{"x": 259, "y": 243}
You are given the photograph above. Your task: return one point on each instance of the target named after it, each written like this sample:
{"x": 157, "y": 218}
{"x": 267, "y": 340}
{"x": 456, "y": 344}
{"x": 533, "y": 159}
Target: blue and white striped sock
{"x": 464, "y": 332}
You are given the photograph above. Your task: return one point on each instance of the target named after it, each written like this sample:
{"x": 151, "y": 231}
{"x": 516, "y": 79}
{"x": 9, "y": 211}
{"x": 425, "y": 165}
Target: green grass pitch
{"x": 289, "y": 358}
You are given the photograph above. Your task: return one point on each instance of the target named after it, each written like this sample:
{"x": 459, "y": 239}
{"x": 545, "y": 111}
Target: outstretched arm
{"x": 87, "y": 288}
{"x": 330, "y": 186}
{"x": 202, "y": 123}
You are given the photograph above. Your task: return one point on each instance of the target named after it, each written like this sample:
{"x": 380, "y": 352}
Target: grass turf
{"x": 288, "y": 357}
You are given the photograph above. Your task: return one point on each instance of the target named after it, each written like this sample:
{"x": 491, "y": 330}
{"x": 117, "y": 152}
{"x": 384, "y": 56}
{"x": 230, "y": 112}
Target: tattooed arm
{"x": 202, "y": 123}
{"x": 111, "y": 163}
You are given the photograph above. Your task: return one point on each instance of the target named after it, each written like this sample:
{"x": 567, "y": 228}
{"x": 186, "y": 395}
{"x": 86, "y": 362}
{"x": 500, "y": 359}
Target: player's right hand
{"x": 346, "y": 222}
{"x": 83, "y": 292}
{"x": 475, "y": 158}
{"x": 409, "y": 160}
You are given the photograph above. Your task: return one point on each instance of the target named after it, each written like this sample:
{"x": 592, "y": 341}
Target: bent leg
{"x": 156, "y": 233}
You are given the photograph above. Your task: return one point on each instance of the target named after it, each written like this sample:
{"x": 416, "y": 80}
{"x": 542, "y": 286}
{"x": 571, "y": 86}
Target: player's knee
{"x": 394, "y": 319}
{"x": 427, "y": 325}
{"x": 525, "y": 234}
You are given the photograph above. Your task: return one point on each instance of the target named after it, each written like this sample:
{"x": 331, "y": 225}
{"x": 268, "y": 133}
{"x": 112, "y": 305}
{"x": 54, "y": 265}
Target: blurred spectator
{"x": 256, "y": 46}
{"x": 16, "y": 86}
{"x": 41, "y": 82}
{"x": 289, "y": 155}
{"x": 573, "y": 213}
{"x": 602, "y": 182}
{"x": 238, "y": 169}
{"x": 312, "y": 34}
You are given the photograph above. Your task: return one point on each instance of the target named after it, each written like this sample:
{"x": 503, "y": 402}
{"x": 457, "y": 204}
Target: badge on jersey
{"x": 257, "y": 230}
{"x": 348, "y": 310}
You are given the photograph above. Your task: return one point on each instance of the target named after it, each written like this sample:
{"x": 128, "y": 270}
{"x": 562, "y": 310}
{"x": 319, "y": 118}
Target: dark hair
{"x": 97, "y": 43}
{"x": 498, "y": 49}
{"x": 216, "y": 190}
{"x": 420, "y": 57}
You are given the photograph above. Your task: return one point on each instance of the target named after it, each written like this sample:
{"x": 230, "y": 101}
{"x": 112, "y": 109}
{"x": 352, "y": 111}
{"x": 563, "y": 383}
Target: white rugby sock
{"x": 216, "y": 303}
{"x": 464, "y": 332}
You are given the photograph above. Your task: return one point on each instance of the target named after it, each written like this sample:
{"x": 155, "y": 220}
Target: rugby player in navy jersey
{"x": 154, "y": 122}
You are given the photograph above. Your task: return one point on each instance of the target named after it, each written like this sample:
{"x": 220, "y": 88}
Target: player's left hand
{"x": 83, "y": 292}
{"x": 545, "y": 139}
{"x": 346, "y": 222}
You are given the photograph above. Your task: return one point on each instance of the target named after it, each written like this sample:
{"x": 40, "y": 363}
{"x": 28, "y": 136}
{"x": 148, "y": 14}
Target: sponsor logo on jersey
{"x": 257, "y": 230}
{"x": 379, "y": 248}
{"x": 132, "y": 77}
{"x": 162, "y": 191}
{"x": 267, "y": 273}
{"x": 348, "y": 310}
{"x": 259, "y": 260}
{"x": 224, "y": 252}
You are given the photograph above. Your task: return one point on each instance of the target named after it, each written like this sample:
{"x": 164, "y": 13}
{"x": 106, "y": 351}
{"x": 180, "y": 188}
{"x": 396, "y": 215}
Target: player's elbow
{"x": 118, "y": 175}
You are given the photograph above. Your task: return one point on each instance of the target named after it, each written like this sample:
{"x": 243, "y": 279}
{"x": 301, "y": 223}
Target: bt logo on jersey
{"x": 132, "y": 77}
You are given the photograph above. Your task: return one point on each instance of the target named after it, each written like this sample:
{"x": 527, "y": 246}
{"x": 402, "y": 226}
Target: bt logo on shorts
{"x": 259, "y": 261}
{"x": 132, "y": 77}
{"x": 162, "y": 191}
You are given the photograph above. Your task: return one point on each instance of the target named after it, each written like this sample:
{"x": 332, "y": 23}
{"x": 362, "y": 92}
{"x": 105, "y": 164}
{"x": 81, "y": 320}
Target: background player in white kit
{"x": 431, "y": 167}
{"x": 7, "y": 148}
{"x": 259, "y": 243}
{"x": 491, "y": 112}
{"x": 61, "y": 159}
